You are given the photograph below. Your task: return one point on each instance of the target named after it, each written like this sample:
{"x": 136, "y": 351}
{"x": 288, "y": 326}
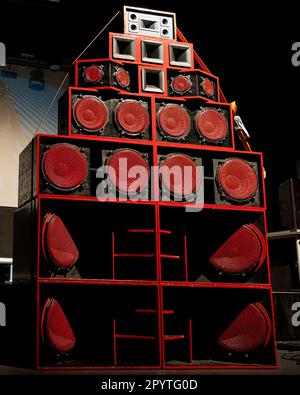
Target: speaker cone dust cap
{"x": 211, "y": 124}
{"x": 180, "y": 175}
{"x": 174, "y": 121}
{"x": 128, "y": 171}
{"x": 56, "y": 329}
{"x": 242, "y": 251}
{"x": 181, "y": 84}
{"x": 90, "y": 113}
{"x": 58, "y": 243}
{"x": 248, "y": 331}
{"x": 131, "y": 117}
{"x": 237, "y": 180}
{"x": 64, "y": 167}
{"x": 93, "y": 74}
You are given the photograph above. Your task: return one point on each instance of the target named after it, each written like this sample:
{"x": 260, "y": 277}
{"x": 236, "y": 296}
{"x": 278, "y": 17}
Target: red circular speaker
{"x": 90, "y": 113}
{"x": 122, "y": 77}
{"x": 131, "y": 117}
{"x": 181, "y": 84}
{"x": 237, "y": 180}
{"x": 243, "y": 251}
{"x": 64, "y": 167}
{"x": 174, "y": 121}
{"x": 211, "y": 125}
{"x": 249, "y": 331}
{"x": 93, "y": 74}
{"x": 128, "y": 171}
{"x": 179, "y": 175}
{"x": 208, "y": 87}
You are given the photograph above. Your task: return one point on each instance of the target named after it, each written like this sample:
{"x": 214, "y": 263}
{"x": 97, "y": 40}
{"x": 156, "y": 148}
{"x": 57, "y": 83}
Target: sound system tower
{"x": 140, "y": 226}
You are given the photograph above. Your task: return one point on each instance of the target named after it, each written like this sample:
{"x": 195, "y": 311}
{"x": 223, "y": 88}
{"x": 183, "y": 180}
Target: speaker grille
{"x": 90, "y": 113}
{"x": 248, "y": 331}
{"x": 181, "y": 84}
{"x": 237, "y": 180}
{"x": 61, "y": 248}
{"x": 56, "y": 328}
{"x": 128, "y": 171}
{"x": 211, "y": 125}
{"x": 174, "y": 121}
{"x": 241, "y": 252}
{"x": 179, "y": 175}
{"x": 122, "y": 77}
{"x": 131, "y": 117}
{"x": 93, "y": 74}
{"x": 64, "y": 167}
{"x": 208, "y": 87}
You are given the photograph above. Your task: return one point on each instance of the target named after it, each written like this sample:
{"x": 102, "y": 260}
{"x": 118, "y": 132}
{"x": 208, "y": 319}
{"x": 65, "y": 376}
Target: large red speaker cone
{"x": 243, "y": 251}
{"x": 131, "y": 117}
{"x": 56, "y": 329}
{"x": 237, "y": 180}
{"x": 174, "y": 121}
{"x": 250, "y": 330}
{"x": 211, "y": 125}
{"x": 93, "y": 74}
{"x": 181, "y": 84}
{"x": 90, "y": 113}
{"x": 128, "y": 171}
{"x": 64, "y": 167}
{"x": 122, "y": 77}
{"x": 57, "y": 243}
{"x": 179, "y": 175}
{"x": 208, "y": 87}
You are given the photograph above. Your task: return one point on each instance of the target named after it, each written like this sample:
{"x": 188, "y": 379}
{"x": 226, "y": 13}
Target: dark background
{"x": 248, "y": 45}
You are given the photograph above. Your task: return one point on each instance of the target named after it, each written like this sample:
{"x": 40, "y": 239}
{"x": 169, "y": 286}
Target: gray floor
{"x": 286, "y": 366}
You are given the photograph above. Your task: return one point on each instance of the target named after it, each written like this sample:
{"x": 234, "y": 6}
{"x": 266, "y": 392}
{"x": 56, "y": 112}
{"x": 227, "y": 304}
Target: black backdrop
{"x": 247, "y": 44}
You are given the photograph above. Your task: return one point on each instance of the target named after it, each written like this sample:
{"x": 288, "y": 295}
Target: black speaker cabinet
{"x": 287, "y": 315}
{"x": 289, "y": 200}
{"x": 284, "y": 249}
{"x": 100, "y": 72}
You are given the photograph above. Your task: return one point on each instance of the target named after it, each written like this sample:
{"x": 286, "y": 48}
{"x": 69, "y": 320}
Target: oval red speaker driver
{"x": 180, "y": 176}
{"x": 242, "y": 252}
{"x": 208, "y": 87}
{"x": 90, "y": 113}
{"x": 237, "y": 180}
{"x": 211, "y": 125}
{"x": 174, "y": 121}
{"x": 56, "y": 329}
{"x": 64, "y": 167}
{"x": 131, "y": 117}
{"x": 127, "y": 171}
{"x": 93, "y": 74}
{"x": 181, "y": 84}
{"x": 249, "y": 331}
{"x": 57, "y": 243}
{"x": 122, "y": 77}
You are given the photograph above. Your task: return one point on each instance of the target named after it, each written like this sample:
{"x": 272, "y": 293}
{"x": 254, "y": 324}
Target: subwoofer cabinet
{"x": 140, "y": 227}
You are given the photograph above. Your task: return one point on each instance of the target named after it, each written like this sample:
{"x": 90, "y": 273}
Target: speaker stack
{"x": 140, "y": 226}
